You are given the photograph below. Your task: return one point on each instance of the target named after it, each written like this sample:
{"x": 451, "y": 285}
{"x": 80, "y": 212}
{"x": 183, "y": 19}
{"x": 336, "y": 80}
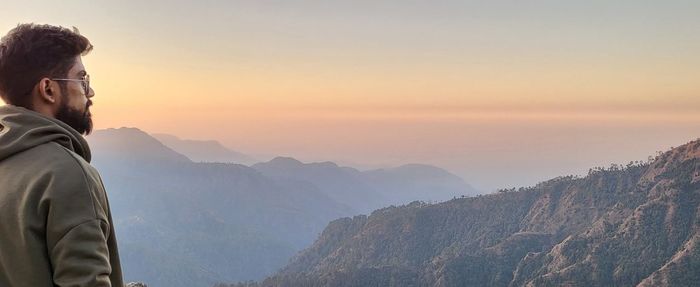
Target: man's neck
{"x": 43, "y": 109}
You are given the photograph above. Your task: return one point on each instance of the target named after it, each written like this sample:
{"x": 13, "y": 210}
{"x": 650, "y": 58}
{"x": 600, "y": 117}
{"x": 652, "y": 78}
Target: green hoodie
{"x": 55, "y": 223}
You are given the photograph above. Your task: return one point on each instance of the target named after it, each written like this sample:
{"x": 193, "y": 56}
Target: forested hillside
{"x": 620, "y": 226}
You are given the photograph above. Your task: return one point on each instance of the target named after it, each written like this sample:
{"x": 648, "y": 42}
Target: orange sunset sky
{"x": 502, "y": 93}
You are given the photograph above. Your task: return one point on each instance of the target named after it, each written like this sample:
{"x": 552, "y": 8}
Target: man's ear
{"x": 48, "y": 91}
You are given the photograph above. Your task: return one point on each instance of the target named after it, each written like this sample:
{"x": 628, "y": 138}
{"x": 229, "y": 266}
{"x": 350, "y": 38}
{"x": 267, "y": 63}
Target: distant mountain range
{"x": 634, "y": 225}
{"x": 370, "y": 190}
{"x": 204, "y": 151}
{"x": 185, "y": 223}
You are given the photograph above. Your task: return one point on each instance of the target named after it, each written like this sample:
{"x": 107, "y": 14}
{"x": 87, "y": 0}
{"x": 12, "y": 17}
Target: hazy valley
{"x": 225, "y": 222}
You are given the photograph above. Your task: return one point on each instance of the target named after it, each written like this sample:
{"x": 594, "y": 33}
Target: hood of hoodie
{"x": 22, "y": 129}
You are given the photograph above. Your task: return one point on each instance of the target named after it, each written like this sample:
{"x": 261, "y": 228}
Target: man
{"x": 55, "y": 222}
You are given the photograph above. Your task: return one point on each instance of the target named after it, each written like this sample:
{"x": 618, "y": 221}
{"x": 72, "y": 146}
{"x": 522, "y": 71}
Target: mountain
{"x": 637, "y": 225}
{"x": 422, "y": 182}
{"x": 204, "y": 151}
{"x": 365, "y": 191}
{"x": 131, "y": 144}
{"x": 344, "y": 185}
{"x": 184, "y": 223}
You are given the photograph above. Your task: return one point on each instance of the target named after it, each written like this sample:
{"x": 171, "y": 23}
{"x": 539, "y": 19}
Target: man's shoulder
{"x": 57, "y": 176}
{"x": 72, "y": 178}
{"x": 53, "y": 158}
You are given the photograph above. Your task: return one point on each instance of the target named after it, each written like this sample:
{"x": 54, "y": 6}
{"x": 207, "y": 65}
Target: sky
{"x": 502, "y": 93}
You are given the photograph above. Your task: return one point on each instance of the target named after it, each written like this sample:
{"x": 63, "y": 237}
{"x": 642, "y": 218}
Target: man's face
{"x": 74, "y": 108}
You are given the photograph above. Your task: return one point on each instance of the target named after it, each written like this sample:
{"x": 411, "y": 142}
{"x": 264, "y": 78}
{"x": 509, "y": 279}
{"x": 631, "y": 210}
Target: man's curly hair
{"x": 30, "y": 52}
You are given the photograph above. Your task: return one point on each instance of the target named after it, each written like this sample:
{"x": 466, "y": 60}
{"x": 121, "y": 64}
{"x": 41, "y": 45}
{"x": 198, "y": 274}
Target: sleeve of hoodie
{"x": 76, "y": 228}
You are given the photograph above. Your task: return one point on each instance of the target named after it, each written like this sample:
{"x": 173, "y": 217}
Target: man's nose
{"x": 91, "y": 93}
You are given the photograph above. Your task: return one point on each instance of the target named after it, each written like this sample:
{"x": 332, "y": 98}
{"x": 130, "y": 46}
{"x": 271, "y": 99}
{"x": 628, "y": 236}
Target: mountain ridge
{"x": 624, "y": 226}
{"x": 365, "y": 191}
{"x": 203, "y": 150}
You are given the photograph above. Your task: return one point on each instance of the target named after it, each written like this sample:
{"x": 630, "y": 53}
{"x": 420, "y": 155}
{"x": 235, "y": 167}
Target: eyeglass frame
{"x": 86, "y": 80}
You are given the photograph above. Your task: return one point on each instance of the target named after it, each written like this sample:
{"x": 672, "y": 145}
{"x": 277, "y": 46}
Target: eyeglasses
{"x": 85, "y": 83}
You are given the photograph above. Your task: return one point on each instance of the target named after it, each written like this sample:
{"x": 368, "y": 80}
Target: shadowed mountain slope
{"x": 181, "y": 223}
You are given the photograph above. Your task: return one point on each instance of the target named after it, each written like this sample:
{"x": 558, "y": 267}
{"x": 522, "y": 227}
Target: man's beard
{"x": 79, "y": 121}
